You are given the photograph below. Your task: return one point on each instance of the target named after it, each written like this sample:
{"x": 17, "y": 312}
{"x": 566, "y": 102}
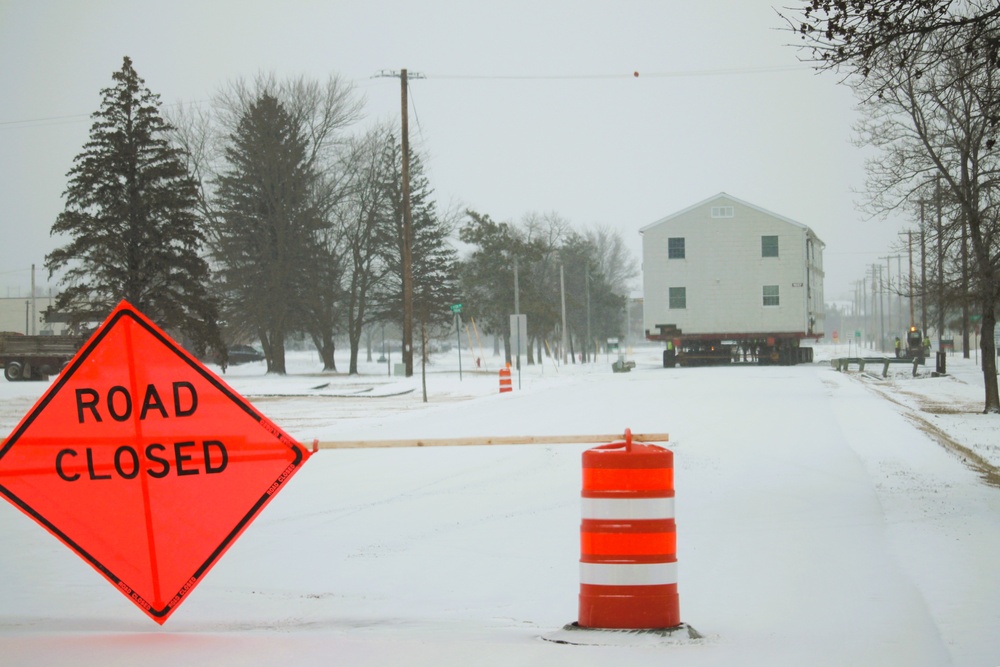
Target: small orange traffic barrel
{"x": 505, "y": 384}
{"x": 628, "y": 539}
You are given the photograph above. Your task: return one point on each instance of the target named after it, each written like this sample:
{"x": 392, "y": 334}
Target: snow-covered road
{"x": 817, "y": 525}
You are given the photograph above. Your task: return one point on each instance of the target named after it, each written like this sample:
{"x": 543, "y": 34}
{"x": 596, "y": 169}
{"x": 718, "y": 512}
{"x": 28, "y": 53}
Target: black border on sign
{"x": 196, "y": 366}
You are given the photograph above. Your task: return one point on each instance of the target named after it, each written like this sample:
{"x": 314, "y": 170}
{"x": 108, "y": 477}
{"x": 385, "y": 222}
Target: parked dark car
{"x": 243, "y": 354}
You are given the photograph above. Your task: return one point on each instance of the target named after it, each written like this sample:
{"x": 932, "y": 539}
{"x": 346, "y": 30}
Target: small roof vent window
{"x": 722, "y": 211}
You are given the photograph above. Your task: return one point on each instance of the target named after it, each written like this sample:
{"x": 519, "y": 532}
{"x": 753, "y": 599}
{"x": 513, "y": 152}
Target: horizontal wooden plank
{"x": 493, "y": 440}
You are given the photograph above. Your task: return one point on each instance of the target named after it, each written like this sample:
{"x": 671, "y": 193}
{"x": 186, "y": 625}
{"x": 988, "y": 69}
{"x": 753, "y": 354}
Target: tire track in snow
{"x": 989, "y": 473}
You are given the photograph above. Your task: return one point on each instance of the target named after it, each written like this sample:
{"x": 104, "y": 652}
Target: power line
{"x": 73, "y": 118}
{"x": 50, "y": 120}
{"x": 630, "y": 75}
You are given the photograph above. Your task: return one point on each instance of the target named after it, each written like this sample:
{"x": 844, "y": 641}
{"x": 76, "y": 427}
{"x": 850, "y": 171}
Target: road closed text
{"x": 180, "y": 458}
{"x": 128, "y": 461}
{"x": 118, "y": 403}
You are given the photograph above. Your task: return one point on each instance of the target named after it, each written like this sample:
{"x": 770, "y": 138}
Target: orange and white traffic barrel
{"x": 505, "y": 384}
{"x": 628, "y": 539}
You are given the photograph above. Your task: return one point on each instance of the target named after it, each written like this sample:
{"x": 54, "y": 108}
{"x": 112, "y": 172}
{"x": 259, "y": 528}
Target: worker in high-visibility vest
{"x": 668, "y": 356}
{"x": 897, "y": 347}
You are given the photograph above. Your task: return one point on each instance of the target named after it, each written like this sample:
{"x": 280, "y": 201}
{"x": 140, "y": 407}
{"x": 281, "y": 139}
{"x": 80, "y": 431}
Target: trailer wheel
{"x": 13, "y": 371}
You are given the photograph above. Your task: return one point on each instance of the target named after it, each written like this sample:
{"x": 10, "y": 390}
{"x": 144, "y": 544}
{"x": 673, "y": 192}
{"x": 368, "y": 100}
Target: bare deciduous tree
{"x": 932, "y": 124}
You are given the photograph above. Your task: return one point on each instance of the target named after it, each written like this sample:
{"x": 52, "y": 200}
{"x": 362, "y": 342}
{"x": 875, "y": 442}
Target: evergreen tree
{"x": 131, "y": 211}
{"x": 319, "y": 111}
{"x": 434, "y": 260}
{"x": 267, "y": 235}
{"x": 487, "y": 274}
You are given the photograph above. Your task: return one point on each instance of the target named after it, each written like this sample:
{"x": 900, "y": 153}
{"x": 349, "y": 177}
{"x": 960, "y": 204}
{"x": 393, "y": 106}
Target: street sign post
{"x": 144, "y": 462}
{"x": 518, "y": 339}
{"x": 456, "y": 308}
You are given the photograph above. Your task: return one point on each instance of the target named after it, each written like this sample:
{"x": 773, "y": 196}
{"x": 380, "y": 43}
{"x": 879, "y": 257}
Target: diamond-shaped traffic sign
{"x": 144, "y": 462}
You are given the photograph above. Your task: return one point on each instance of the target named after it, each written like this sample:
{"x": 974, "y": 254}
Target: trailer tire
{"x": 13, "y": 371}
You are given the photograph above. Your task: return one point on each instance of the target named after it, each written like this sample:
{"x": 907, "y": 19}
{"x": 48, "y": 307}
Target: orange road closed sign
{"x": 144, "y": 462}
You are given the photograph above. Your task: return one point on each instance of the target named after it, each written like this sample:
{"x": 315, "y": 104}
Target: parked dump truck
{"x": 35, "y": 357}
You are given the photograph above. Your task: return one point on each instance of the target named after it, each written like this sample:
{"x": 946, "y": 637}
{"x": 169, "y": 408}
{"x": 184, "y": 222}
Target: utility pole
{"x": 407, "y": 259}
{"x": 909, "y": 237}
{"x": 923, "y": 272}
{"x": 940, "y": 261}
{"x": 407, "y": 238}
{"x": 586, "y": 350}
{"x": 881, "y": 305}
{"x": 899, "y": 295}
{"x": 517, "y": 311}
{"x": 562, "y": 293}
{"x": 887, "y": 287}
{"x": 34, "y": 307}
{"x": 864, "y": 305}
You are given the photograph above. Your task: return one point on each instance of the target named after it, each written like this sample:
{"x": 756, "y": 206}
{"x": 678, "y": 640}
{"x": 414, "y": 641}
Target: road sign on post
{"x": 144, "y": 462}
{"x": 518, "y": 340}
{"x": 457, "y": 309}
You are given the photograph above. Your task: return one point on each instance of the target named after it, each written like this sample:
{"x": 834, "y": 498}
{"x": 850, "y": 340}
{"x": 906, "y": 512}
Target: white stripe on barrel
{"x": 635, "y": 574}
{"x": 627, "y": 508}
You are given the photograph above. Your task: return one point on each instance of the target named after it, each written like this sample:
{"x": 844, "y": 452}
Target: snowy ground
{"x": 824, "y": 518}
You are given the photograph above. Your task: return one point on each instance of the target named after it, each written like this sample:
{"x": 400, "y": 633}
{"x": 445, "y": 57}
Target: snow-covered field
{"x": 823, "y": 518}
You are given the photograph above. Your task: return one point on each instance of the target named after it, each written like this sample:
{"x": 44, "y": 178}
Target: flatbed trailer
{"x": 35, "y": 357}
{"x": 711, "y": 349}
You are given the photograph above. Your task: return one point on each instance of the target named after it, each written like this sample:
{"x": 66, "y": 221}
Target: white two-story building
{"x": 725, "y": 272}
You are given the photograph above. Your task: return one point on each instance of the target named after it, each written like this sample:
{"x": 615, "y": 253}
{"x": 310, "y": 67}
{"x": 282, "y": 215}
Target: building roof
{"x": 723, "y": 195}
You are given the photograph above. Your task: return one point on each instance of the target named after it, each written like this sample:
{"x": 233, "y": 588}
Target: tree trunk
{"x": 276, "y": 360}
{"x": 965, "y": 290}
{"x": 326, "y": 348}
{"x": 355, "y": 341}
{"x": 988, "y": 349}
{"x": 265, "y": 344}
{"x": 327, "y": 353}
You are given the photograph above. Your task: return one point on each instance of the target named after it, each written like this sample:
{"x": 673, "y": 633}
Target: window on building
{"x": 771, "y": 295}
{"x": 675, "y": 248}
{"x": 722, "y": 211}
{"x": 768, "y": 246}
{"x": 678, "y": 297}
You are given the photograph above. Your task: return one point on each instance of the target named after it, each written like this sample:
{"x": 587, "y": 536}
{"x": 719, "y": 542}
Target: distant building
{"x": 727, "y": 269}
{"x": 26, "y": 315}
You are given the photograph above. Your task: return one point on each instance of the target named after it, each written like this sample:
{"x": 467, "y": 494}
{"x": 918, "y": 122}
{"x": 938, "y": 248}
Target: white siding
{"x": 724, "y": 273}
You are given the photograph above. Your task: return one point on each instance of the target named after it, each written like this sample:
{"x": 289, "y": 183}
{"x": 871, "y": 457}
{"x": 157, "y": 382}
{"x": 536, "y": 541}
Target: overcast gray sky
{"x": 527, "y": 106}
